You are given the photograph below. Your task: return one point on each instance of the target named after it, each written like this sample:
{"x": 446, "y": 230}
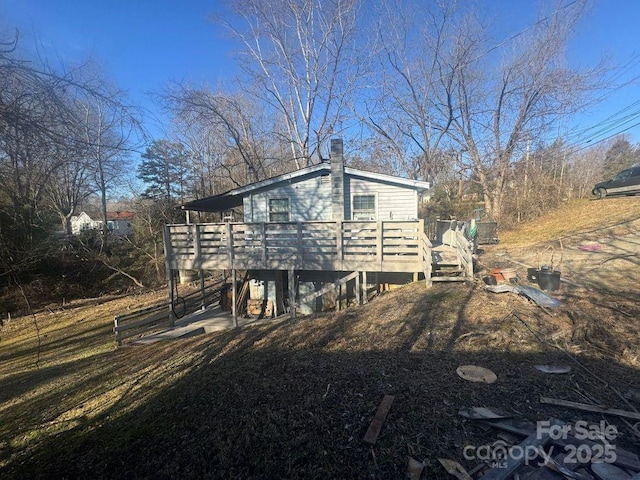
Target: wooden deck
{"x": 383, "y": 246}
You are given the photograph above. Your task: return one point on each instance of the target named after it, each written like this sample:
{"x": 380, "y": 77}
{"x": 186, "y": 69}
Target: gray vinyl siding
{"x": 393, "y": 202}
{"x": 309, "y": 200}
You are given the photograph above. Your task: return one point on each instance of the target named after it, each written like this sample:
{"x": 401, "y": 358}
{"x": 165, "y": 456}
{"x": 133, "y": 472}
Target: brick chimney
{"x": 337, "y": 179}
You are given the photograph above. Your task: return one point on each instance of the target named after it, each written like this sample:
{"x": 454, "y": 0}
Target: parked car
{"x": 627, "y": 182}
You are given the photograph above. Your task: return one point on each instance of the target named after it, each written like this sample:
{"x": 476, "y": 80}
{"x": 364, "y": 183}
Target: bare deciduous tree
{"x": 46, "y": 149}
{"x": 69, "y": 184}
{"x": 495, "y": 114}
{"x": 405, "y": 109}
{"x": 225, "y": 135}
{"x": 34, "y": 112}
{"x": 300, "y": 56}
{"x": 107, "y": 129}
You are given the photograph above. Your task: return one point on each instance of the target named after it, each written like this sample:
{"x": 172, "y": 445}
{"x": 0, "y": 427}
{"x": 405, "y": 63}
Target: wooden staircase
{"x": 448, "y": 272}
{"x": 452, "y": 261}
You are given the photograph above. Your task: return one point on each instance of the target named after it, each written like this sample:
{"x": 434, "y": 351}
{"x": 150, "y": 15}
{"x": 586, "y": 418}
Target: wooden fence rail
{"x": 141, "y": 321}
{"x": 163, "y": 315}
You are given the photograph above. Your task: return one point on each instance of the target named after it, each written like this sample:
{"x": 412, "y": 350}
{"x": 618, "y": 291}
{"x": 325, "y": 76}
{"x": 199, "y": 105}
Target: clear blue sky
{"x": 143, "y": 44}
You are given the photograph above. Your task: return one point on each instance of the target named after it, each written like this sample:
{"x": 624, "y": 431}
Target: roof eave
{"x": 417, "y": 184}
{"x": 241, "y": 191}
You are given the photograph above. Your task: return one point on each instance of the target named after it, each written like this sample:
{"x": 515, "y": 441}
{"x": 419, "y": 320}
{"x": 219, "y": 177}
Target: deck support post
{"x": 365, "y": 295}
{"x": 234, "y": 310}
{"x": 292, "y": 293}
{"x": 279, "y": 285}
{"x": 229, "y": 232}
{"x": 204, "y": 298}
{"x": 172, "y": 296}
{"x": 357, "y": 289}
{"x": 168, "y": 258}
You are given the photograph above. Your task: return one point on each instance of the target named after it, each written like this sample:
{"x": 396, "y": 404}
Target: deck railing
{"x": 465, "y": 255}
{"x": 382, "y": 246}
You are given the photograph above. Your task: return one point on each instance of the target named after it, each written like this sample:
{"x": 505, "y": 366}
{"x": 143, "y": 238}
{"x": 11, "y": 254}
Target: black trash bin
{"x": 549, "y": 279}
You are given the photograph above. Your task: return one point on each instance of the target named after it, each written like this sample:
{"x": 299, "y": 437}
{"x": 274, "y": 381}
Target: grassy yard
{"x": 293, "y": 399}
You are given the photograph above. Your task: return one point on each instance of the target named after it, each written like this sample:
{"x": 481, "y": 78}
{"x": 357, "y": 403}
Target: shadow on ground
{"x": 294, "y": 400}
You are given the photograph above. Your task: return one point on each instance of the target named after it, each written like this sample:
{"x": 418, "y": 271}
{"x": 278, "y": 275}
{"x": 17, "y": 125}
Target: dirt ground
{"x": 606, "y": 259}
{"x": 293, "y": 399}
{"x": 600, "y": 274}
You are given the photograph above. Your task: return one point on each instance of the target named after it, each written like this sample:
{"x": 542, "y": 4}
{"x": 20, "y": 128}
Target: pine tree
{"x": 620, "y": 155}
{"x": 164, "y": 171}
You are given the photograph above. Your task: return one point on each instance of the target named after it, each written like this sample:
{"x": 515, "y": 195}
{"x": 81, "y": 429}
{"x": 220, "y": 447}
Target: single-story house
{"x": 118, "y": 223}
{"x": 327, "y": 191}
{"x": 307, "y": 233}
{"x": 82, "y": 223}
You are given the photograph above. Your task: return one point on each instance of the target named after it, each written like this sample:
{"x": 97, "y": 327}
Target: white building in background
{"x": 82, "y": 223}
{"x": 118, "y": 223}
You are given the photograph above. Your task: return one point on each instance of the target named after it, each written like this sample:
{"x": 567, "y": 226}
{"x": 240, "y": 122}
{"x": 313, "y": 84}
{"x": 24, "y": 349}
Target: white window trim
{"x": 363, "y": 194}
{"x": 278, "y": 197}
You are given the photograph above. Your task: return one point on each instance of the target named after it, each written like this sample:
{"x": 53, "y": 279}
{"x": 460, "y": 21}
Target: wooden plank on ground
{"x": 590, "y": 408}
{"x": 376, "y": 424}
{"x": 454, "y": 468}
{"x": 536, "y": 440}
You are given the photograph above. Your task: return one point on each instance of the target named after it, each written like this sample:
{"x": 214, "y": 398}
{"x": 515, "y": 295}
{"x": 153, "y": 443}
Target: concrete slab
{"x": 209, "y": 320}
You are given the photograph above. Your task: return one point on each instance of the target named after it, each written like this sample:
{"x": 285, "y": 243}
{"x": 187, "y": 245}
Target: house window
{"x": 364, "y": 207}
{"x": 279, "y": 209}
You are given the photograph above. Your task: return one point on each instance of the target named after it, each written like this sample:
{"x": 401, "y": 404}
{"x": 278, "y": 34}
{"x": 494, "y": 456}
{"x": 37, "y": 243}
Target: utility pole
{"x": 526, "y": 170}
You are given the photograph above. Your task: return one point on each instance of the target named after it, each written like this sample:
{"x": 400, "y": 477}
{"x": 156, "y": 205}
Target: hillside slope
{"x": 595, "y": 245}
{"x": 293, "y": 399}
{"x": 576, "y": 218}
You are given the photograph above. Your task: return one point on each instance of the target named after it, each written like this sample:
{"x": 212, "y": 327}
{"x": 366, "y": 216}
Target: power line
{"x": 575, "y": 150}
{"x": 614, "y": 123}
{"x": 522, "y": 32}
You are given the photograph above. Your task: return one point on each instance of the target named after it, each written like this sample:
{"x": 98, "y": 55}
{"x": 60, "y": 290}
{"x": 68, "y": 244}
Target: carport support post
{"x": 233, "y": 298}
